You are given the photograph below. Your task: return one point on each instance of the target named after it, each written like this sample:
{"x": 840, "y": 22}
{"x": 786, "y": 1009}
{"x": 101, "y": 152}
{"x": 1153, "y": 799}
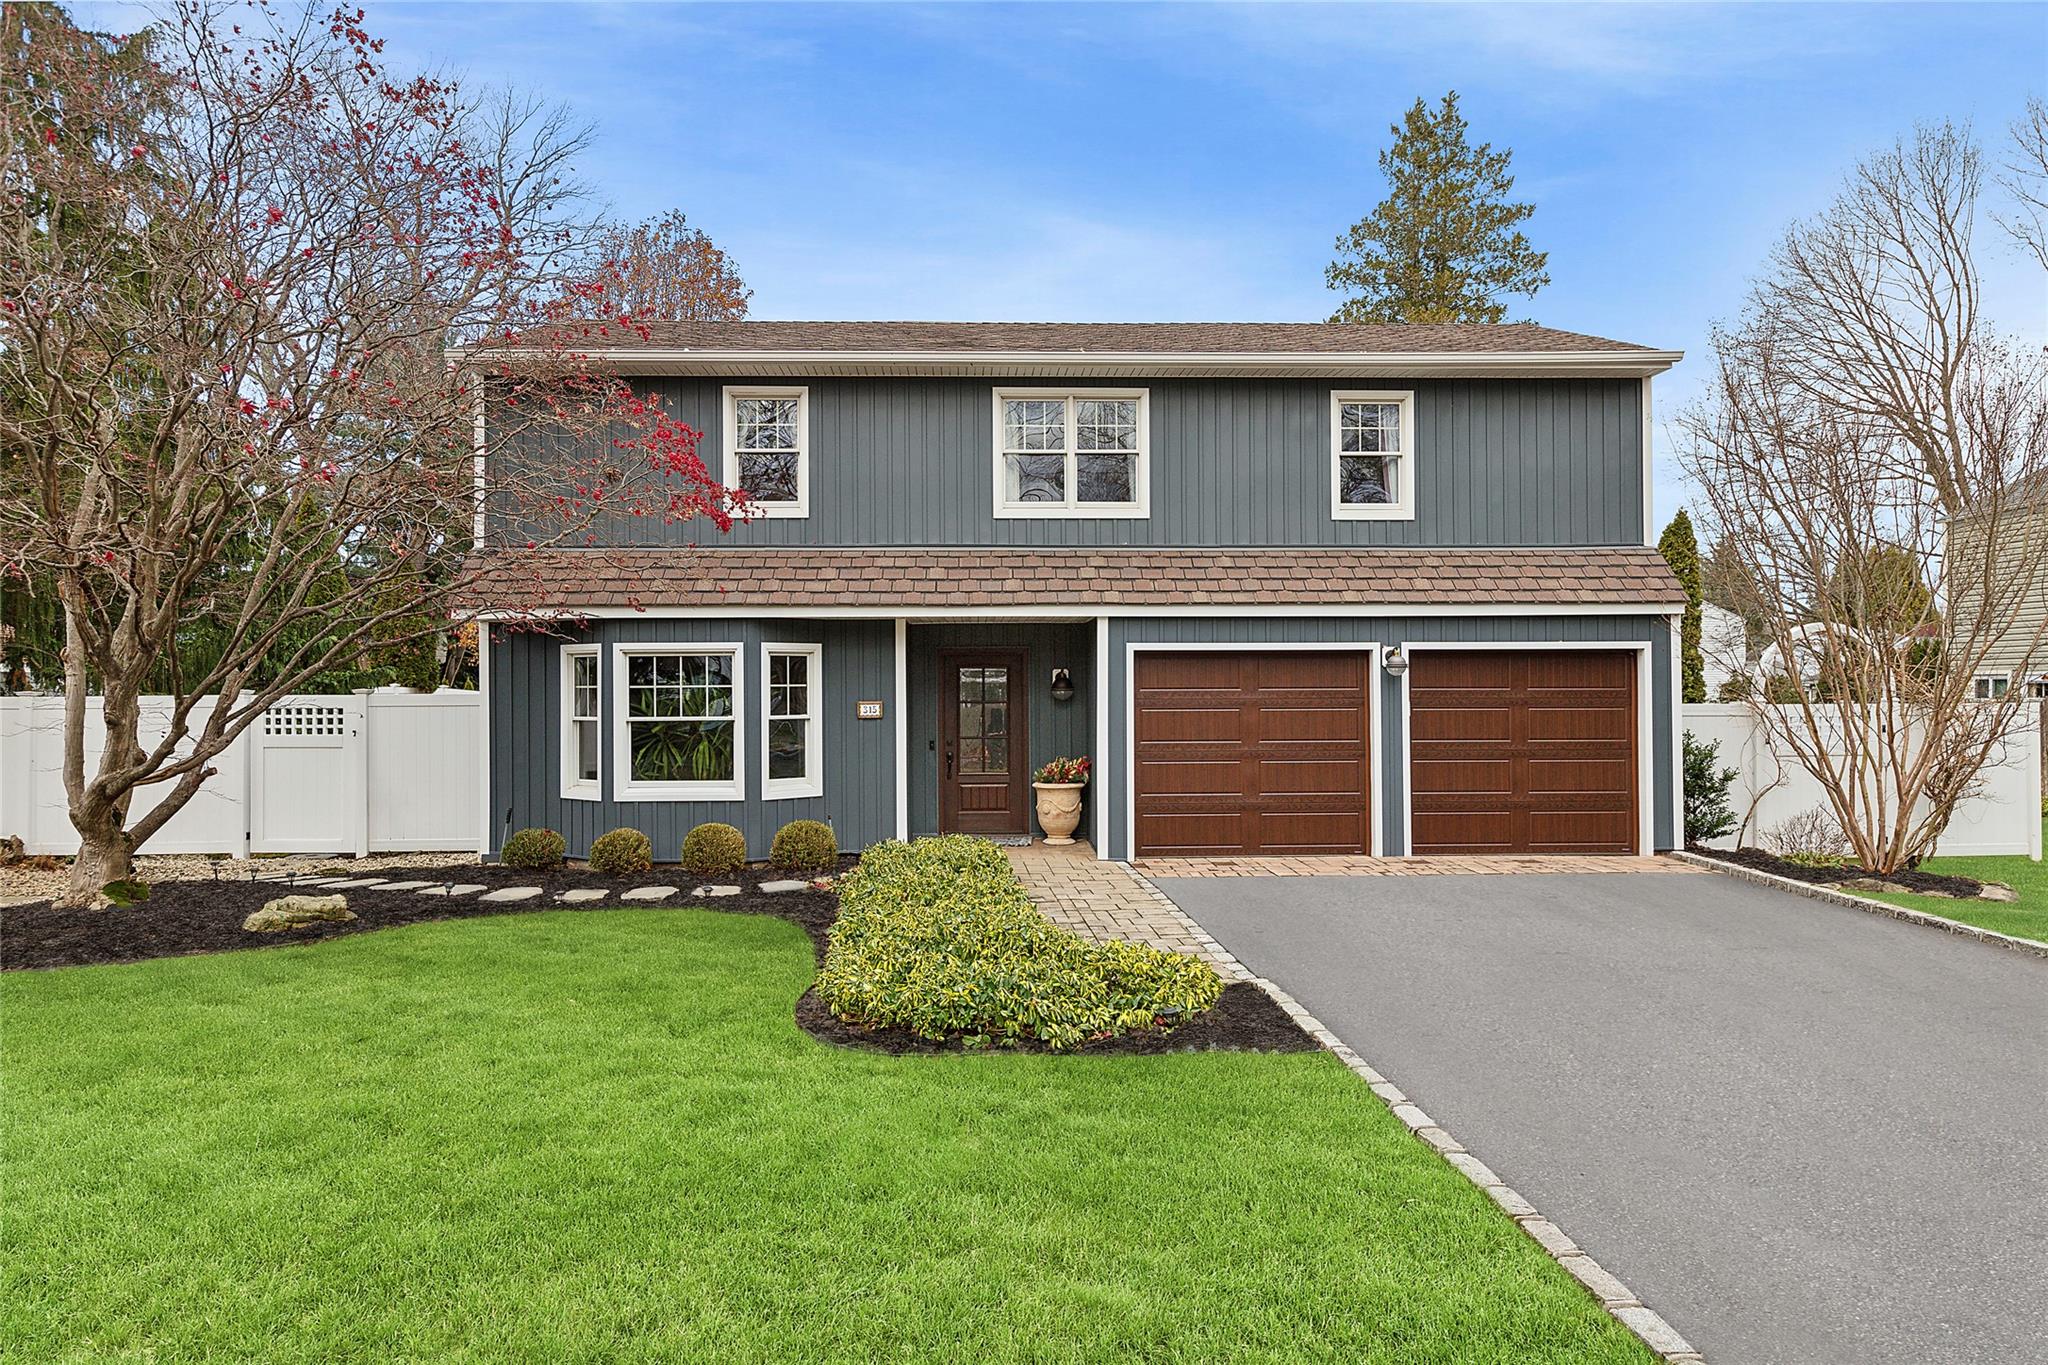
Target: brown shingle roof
{"x": 1068, "y": 579}
{"x": 1151, "y": 338}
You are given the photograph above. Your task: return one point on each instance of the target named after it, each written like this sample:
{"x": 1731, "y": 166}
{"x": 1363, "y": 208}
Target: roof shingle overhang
{"x": 1068, "y": 582}
{"x": 1114, "y": 350}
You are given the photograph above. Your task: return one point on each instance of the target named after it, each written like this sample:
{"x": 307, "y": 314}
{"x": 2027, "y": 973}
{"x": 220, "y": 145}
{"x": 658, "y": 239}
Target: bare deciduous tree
{"x": 244, "y": 275}
{"x": 664, "y": 270}
{"x": 1864, "y": 421}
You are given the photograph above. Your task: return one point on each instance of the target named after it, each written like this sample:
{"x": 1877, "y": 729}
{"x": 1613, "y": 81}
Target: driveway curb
{"x": 1607, "y": 1290}
{"x": 1833, "y": 896}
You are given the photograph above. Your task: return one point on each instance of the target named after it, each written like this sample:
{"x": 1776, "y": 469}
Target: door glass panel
{"x": 984, "y": 721}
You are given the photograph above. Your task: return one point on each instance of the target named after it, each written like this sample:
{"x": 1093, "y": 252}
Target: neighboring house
{"x": 1724, "y": 649}
{"x": 1297, "y": 588}
{"x": 2018, "y": 657}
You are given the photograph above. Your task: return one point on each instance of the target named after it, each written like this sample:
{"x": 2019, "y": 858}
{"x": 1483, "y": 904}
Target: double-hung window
{"x": 1071, "y": 453}
{"x": 676, "y": 724}
{"x": 582, "y": 770}
{"x": 1372, "y": 456}
{"x": 1990, "y": 686}
{"x": 791, "y": 764}
{"x": 768, "y": 449}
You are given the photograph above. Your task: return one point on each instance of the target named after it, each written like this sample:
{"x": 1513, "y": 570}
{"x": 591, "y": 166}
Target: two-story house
{"x": 1294, "y": 587}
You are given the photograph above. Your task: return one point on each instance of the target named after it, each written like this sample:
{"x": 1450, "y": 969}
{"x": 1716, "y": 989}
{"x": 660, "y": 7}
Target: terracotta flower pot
{"x": 1059, "y": 810}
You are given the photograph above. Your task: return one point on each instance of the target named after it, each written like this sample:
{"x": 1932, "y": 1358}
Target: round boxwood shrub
{"x": 803, "y": 845}
{"x": 712, "y": 847}
{"x": 622, "y": 850}
{"x": 539, "y": 849}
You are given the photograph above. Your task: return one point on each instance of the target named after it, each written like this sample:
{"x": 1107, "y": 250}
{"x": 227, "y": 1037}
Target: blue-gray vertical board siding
{"x": 858, "y": 755}
{"x": 1339, "y": 631}
{"x": 1054, "y": 729}
{"x": 1233, "y": 462}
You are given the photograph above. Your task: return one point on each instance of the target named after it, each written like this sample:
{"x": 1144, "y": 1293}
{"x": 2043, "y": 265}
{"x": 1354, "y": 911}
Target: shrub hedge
{"x": 538, "y": 849}
{"x": 622, "y": 850}
{"x": 712, "y": 847}
{"x": 939, "y": 937}
{"x": 804, "y": 845}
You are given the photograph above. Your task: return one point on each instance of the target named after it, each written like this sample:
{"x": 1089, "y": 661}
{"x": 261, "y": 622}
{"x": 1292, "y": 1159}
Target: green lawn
{"x": 2026, "y": 917}
{"x": 600, "y": 1137}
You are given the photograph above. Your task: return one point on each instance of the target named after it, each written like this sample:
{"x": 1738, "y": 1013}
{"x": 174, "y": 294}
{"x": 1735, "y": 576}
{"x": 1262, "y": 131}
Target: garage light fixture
{"x": 1394, "y": 661}
{"x": 1062, "y": 684}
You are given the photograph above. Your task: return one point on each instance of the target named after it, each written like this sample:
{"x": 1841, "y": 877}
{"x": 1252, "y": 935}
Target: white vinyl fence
{"x": 1771, "y": 787}
{"x": 364, "y": 772}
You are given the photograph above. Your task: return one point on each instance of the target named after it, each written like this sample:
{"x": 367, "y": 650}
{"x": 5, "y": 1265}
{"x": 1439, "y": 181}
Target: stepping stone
{"x": 648, "y": 893}
{"x": 511, "y": 893}
{"x": 716, "y": 891}
{"x": 583, "y": 893}
{"x": 775, "y": 888}
{"x": 407, "y": 886}
{"x": 459, "y": 889}
{"x": 306, "y": 881}
{"x": 355, "y": 881}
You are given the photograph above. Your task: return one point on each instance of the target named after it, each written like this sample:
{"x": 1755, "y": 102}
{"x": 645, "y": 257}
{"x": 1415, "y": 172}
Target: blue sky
{"x": 1124, "y": 162}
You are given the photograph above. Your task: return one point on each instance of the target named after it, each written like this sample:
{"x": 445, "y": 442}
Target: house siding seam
{"x": 1244, "y": 462}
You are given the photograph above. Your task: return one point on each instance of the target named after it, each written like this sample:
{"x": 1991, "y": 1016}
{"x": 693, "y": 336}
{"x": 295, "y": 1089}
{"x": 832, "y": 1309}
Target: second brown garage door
{"x": 1523, "y": 752}
{"x": 1250, "y": 753}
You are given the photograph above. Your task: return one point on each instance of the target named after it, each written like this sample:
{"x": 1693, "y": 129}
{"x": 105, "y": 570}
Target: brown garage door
{"x": 1529, "y": 752}
{"x": 1250, "y": 753}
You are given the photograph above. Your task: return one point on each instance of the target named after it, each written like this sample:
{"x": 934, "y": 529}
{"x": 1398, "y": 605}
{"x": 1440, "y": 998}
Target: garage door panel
{"x": 1249, "y": 752}
{"x": 1459, "y": 723}
{"x": 1523, "y": 750}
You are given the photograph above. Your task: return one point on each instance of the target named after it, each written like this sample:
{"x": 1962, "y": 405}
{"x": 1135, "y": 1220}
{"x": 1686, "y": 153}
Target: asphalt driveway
{"x": 1801, "y": 1132}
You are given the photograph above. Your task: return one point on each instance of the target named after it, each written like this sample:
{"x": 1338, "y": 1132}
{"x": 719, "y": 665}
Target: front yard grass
{"x": 2026, "y": 917}
{"x": 600, "y": 1136}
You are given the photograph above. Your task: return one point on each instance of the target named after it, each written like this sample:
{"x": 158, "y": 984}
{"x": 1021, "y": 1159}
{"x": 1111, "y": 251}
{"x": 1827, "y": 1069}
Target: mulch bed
{"x": 184, "y": 918}
{"x": 1906, "y": 879}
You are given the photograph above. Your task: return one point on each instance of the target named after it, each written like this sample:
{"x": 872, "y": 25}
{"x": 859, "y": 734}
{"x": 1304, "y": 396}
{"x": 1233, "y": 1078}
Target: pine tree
{"x": 1681, "y": 550}
{"x": 1445, "y": 243}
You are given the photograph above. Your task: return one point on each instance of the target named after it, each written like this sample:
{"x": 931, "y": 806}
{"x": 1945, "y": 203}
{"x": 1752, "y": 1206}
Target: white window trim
{"x": 1141, "y": 482}
{"x": 812, "y": 783}
{"x": 1990, "y": 693}
{"x": 573, "y": 787}
{"x": 1402, "y": 508}
{"x": 623, "y": 787}
{"x": 733, "y": 393}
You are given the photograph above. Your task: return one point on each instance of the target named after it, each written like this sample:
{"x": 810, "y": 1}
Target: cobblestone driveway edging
{"x": 1617, "y": 1298}
{"x": 1835, "y": 896}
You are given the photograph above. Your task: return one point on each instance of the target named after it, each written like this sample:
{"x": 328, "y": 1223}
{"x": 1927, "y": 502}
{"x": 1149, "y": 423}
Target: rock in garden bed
{"x": 1908, "y": 880}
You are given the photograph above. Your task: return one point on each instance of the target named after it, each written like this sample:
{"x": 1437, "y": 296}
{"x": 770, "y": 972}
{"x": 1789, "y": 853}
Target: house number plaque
{"x": 868, "y": 710}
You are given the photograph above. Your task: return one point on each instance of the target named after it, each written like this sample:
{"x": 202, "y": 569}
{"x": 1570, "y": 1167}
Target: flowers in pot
{"x": 1058, "y": 785}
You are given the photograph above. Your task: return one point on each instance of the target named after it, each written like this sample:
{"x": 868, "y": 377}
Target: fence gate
{"x": 306, "y": 766}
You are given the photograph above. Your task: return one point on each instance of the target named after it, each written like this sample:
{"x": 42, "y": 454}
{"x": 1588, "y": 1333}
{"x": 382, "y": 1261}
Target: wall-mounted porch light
{"x": 1395, "y": 661}
{"x": 1062, "y": 684}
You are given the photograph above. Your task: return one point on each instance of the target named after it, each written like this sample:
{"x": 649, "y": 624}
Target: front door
{"x": 983, "y": 757}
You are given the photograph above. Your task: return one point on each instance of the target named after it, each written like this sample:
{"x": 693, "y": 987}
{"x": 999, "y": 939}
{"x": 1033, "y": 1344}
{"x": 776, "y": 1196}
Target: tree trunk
{"x": 104, "y": 855}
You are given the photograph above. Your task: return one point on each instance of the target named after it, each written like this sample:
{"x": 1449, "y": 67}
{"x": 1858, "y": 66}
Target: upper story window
{"x": 1372, "y": 456}
{"x": 675, "y": 729}
{"x": 1071, "y": 453}
{"x": 768, "y": 448}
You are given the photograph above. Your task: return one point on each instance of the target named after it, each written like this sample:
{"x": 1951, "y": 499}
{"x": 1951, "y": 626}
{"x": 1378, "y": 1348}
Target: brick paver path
{"x": 1103, "y": 900}
{"x": 1352, "y": 865}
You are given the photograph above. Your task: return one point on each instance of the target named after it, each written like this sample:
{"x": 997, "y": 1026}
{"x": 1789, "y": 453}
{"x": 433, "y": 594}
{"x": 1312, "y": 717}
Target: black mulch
{"x": 183, "y": 918}
{"x": 1906, "y": 879}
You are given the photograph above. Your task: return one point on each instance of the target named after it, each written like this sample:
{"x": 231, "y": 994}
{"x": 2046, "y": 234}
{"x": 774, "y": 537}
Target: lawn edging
{"x": 1618, "y": 1299}
{"x": 1836, "y": 896}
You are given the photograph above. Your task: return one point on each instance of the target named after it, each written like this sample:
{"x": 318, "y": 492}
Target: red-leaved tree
{"x": 259, "y": 298}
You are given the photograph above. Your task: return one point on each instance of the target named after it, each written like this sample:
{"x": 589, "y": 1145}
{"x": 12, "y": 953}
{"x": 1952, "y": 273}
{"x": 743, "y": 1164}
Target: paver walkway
{"x": 1354, "y": 865}
{"x": 1101, "y": 900}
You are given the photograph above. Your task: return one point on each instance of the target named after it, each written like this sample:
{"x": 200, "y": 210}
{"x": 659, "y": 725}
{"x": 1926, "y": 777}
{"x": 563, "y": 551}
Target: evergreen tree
{"x": 1681, "y": 550}
{"x": 1446, "y": 243}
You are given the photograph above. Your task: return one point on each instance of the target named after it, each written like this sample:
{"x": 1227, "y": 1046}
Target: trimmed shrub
{"x": 804, "y": 845}
{"x": 938, "y": 937}
{"x": 622, "y": 850}
{"x": 713, "y": 847}
{"x": 1707, "y": 813}
{"x": 539, "y": 849}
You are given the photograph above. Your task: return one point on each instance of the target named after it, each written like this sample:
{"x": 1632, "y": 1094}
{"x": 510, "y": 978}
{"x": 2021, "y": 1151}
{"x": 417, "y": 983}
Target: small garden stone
{"x": 292, "y": 912}
{"x": 648, "y": 893}
{"x": 1998, "y": 891}
{"x": 716, "y": 891}
{"x": 511, "y": 893}
{"x": 459, "y": 889}
{"x": 776, "y": 888}
{"x": 357, "y": 881}
{"x": 582, "y": 893}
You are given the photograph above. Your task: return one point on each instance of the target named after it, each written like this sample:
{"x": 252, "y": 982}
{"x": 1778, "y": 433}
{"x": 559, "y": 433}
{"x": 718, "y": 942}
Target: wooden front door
{"x": 984, "y": 763}
{"x": 1523, "y": 752}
